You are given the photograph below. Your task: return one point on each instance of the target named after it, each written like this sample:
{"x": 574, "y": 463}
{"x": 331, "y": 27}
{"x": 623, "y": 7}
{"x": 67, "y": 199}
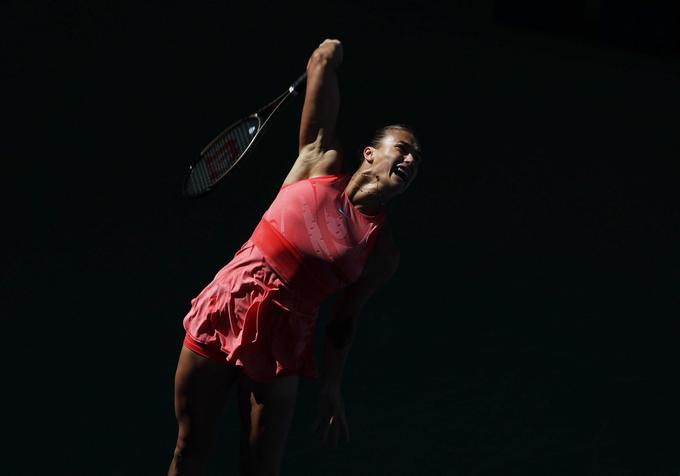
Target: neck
{"x": 365, "y": 193}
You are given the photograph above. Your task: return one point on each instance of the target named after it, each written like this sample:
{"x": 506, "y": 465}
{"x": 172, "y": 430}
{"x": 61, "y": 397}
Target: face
{"x": 395, "y": 162}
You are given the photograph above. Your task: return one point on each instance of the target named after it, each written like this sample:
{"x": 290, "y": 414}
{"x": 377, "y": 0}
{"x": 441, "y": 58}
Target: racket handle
{"x": 293, "y": 87}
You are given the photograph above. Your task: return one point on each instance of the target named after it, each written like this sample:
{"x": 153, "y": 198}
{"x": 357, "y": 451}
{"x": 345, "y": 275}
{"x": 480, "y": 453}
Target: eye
{"x": 406, "y": 148}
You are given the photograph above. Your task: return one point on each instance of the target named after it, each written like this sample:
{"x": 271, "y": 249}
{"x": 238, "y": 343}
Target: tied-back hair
{"x": 380, "y": 134}
{"x": 376, "y": 139}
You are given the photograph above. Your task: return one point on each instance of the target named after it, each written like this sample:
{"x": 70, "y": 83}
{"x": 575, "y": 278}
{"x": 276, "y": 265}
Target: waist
{"x": 289, "y": 263}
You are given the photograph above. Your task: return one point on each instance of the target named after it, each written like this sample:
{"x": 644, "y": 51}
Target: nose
{"x": 409, "y": 158}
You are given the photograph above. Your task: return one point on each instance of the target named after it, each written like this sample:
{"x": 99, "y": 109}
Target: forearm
{"x": 338, "y": 339}
{"x": 322, "y": 96}
{"x": 348, "y": 306}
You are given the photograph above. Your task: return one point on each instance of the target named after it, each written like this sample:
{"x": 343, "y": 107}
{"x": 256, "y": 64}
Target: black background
{"x": 531, "y": 328}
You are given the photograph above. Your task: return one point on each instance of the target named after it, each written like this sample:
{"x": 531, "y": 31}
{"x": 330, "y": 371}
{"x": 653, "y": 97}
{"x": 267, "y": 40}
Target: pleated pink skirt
{"x": 249, "y": 317}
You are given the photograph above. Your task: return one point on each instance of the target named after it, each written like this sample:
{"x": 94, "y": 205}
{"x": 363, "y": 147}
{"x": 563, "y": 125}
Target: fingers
{"x": 333, "y": 48}
{"x": 315, "y": 425}
{"x": 331, "y": 420}
{"x": 326, "y": 429}
{"x": 336, "y": 434}
{"x": 340, "y": 427}
{"x": 330, "y": 40}
{"x": 332, "y": 430}
{"x": 345, "y": 428}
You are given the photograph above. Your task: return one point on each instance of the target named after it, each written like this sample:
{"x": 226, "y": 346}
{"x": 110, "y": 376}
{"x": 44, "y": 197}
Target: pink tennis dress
{"x": 259, "y": 311}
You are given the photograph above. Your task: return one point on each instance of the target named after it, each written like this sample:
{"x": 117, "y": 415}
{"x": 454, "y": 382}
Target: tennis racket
{"x": 231, "y": 145}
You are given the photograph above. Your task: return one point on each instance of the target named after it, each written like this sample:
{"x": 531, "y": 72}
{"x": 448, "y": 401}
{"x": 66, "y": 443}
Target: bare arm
{"x": 340, "y": 332}
{"x": 318, "y": 153}
{"x": 341, "y": 328}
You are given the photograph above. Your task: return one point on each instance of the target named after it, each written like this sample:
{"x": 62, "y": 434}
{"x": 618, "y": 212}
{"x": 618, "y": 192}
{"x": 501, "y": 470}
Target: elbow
{"x": 392, "y": 265}
{"x": 340, "y": 332}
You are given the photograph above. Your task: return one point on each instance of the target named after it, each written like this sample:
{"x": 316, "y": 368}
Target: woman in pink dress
{"x": 253, "y": 324}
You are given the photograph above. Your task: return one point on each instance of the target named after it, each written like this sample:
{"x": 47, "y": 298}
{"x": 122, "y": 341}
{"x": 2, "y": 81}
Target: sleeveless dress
{"x": 260, "y": 309}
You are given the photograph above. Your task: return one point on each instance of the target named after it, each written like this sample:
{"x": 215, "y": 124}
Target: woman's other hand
{"x": 331, "y": 418}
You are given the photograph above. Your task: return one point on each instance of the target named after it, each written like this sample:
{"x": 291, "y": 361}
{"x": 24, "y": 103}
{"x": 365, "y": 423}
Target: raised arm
{"x": 318, "y": 151}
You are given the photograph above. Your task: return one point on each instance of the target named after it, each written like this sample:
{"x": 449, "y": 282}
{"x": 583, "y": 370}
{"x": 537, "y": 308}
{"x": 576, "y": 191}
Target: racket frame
{"x": 262, "y": 116}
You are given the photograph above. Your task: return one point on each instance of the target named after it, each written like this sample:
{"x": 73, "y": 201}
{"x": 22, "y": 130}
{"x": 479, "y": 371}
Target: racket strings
{"x": 231, "y": 145}
{"x": 221, "y": 155}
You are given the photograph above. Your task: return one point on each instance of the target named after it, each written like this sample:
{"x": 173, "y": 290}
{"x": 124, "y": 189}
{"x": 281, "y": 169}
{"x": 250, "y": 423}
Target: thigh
{"x": 201, "y": 390}
{"x": 266, "y": 411}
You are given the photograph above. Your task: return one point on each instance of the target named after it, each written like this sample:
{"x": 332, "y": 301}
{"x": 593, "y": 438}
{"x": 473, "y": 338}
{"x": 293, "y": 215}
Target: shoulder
{"x": 385, "y": 256}
{"x": 312, "y": 161}
{"x": 380, "y": 267}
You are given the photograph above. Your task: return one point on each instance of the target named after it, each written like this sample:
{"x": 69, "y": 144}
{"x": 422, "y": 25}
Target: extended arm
{"x": 341, "y": 328}
{"x": 340, "y": 332}
{"x": 318, "y": 150}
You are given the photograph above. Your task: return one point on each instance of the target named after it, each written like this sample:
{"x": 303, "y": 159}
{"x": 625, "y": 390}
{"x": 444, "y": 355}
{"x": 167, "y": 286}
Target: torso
{"x": 316, "y": 216}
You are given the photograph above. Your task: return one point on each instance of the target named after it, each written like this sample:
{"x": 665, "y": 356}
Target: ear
{"x": 368, "y": 154}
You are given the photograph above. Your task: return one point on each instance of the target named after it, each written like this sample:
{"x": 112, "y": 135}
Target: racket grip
{"x": 293, "y": 87}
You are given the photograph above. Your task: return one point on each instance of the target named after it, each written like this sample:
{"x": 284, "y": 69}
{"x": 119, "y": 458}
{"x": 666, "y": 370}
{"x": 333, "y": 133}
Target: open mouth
{"x": 401, "y": 174}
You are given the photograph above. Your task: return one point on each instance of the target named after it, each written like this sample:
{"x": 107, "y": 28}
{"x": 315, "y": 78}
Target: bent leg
{"x": 201, "y": 388}
{"x": 266, "y": 411}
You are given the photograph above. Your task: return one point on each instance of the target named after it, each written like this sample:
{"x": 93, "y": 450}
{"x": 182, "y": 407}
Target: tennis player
{"x": 325, "y": 234}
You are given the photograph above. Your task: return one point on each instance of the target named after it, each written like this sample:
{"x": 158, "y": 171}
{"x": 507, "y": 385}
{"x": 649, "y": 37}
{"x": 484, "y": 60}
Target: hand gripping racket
{"x": 231, "y": 145}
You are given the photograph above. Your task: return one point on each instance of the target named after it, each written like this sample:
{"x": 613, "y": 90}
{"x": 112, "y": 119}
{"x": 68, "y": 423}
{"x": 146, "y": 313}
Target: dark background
{"x": 532, "y": 326}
